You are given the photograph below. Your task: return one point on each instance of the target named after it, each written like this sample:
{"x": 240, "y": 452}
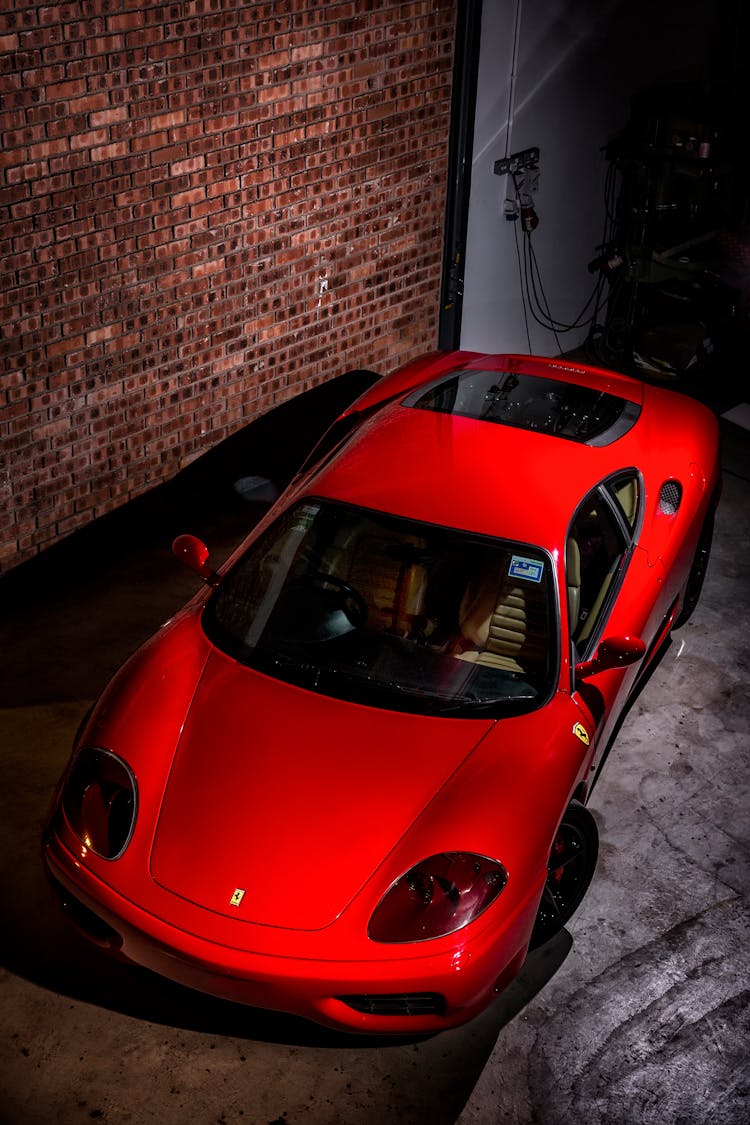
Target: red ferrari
{"x": 349, "y": 780}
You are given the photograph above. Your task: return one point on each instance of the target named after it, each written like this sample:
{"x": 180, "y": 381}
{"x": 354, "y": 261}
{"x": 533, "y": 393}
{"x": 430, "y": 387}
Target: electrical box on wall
{"x": 523, "y": 168}
{"x": 519, "y": 162}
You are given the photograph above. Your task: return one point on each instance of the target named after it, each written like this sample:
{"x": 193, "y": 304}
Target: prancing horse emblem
{"x": 580, "y": 731}
{"x": 237, "y": 897}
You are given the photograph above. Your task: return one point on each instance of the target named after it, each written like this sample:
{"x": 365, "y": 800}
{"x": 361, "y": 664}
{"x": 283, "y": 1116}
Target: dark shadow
{"x": 71, "y": 616}
{"x": 435, "y": 1075}
{"x": 202, "y": 496}
{"x": 431, "y": 1076}
{"x": 39, "y": 943}
{"x": 638, "y": 688}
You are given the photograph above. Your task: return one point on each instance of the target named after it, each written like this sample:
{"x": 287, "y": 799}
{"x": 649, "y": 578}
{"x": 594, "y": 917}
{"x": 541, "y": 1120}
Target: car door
{"x": 613, "y": 588}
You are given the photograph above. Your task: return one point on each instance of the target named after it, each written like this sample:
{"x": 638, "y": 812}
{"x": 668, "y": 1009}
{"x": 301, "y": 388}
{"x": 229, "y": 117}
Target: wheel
{"x": 350, "y": 600}
{"x": 569, "y": 871}
{"x": 697, "y": 571}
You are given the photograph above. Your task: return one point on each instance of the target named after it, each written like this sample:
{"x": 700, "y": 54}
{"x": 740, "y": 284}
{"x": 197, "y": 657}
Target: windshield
{"x": 391, "y": 613}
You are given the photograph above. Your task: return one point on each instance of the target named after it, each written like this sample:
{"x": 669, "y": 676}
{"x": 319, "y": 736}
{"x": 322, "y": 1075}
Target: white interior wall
{"x": 578, "y": 64}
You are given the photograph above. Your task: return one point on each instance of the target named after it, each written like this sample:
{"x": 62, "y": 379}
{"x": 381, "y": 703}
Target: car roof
{"x": 469, "y": 474}
{"x": 492, "y": 478}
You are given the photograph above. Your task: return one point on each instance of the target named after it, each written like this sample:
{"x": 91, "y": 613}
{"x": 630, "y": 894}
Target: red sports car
{"x": 349, "y": 779}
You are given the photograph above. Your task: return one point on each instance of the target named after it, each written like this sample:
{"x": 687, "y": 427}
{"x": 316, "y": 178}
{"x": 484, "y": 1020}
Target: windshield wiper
{"x": 442, "y": 705}
{"x": 372, "y": 687}
{"x": 504, "y": 704}
{"x": 284, "y": 663}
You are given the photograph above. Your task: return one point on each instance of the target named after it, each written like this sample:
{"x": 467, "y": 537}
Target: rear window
{"x": 531, "y": 402}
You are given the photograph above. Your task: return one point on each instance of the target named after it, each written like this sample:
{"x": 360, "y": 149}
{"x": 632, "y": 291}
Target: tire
{"x": 697, "y": 571}
{"x": 570, "y": 870}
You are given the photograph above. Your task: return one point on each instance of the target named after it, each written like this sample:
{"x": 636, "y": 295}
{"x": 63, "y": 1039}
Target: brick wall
{"x": 205, "y": 207}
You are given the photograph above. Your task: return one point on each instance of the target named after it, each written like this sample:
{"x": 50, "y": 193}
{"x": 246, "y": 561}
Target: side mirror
{"x": 613, "y": 652}
{"x": 194, "y": 554}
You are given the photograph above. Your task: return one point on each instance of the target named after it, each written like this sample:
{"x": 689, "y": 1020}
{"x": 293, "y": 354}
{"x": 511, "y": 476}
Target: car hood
{"x": 281, "y": 803}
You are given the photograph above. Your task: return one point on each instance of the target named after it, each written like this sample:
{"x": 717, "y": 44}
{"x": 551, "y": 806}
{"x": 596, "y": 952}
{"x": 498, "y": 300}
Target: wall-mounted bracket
{"x": 518, "y": 162}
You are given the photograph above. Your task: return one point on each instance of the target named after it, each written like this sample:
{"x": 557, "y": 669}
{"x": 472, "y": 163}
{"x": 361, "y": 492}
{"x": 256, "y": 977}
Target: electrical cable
{"x": 532, "y": 286}
{"x": 531, "y": 263}
{"x": 537, "y": 297}
{"x": 523, "y": 294}
{"x": 512, "y": 80}
{"x": 598, "y": 340}
{"x": 533, "y": 296}
{"x": 552, "y": 324}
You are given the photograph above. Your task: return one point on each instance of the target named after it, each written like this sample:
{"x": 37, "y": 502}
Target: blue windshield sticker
{"x": 530, "y": 569}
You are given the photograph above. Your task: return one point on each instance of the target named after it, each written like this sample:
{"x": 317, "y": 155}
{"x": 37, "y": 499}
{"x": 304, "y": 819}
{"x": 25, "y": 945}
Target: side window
{"x": 595, "y": 551}
{"x": 626, "y": 492}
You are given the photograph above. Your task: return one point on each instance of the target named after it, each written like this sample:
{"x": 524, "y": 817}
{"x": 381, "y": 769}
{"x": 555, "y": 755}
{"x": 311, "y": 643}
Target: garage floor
{"x": 637, "y": 1013}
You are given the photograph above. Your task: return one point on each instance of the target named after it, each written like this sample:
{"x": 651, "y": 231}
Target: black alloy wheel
{"x": 570, "y": 870}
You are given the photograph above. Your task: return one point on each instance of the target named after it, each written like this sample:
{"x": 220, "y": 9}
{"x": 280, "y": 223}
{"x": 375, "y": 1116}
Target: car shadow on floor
{"x": 38, "y": 944}
{"x": 51, "y": 954}
{"x": 71, "y": 619}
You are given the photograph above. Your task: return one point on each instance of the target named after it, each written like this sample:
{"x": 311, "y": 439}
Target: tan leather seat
{"x": 495, "y": 622}
{"x": 490, "y": 660}
{"x": 627, "y": 498}
{"x": 394, "y": 590}
{"x": 591, "y": 618}
{"x": 573, "y": 579}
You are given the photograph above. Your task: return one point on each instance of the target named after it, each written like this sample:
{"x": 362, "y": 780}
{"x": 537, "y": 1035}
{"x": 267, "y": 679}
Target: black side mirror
{"x": 194, "y": 554}
{"x": 613, "y": 652}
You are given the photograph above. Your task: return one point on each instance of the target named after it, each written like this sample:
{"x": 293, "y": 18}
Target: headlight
{"x": 99, "y": 801}
{"x": 438, "y": 896}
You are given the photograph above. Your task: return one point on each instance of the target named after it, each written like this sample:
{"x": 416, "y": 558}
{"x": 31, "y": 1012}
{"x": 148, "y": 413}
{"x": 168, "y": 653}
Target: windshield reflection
{"x": 390, "y": 612}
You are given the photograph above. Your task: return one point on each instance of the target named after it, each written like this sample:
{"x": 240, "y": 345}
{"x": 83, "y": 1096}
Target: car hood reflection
{"x": 293, "y": 797}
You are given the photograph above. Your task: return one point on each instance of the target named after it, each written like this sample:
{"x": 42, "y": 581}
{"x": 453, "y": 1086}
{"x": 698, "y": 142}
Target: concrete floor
{"x": 638, "y": 1012}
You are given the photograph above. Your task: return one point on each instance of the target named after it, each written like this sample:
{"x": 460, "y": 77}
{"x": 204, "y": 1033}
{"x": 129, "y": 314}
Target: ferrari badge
{"x": 237, "y": 897}
{"x": 580, "y": 732}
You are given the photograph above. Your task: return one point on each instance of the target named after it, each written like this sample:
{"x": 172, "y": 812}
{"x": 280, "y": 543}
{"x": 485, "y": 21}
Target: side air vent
{"x": 670, "y": 497}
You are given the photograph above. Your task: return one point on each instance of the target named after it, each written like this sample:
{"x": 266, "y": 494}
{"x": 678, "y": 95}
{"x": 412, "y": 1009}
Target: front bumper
{"x": 419, "y": 989}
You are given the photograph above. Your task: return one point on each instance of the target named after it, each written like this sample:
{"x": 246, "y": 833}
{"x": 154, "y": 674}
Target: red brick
{"x": 174, "y": 186}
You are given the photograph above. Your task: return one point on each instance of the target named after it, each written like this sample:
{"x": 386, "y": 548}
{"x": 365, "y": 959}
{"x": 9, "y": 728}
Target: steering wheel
{"x": 352, "y": 602}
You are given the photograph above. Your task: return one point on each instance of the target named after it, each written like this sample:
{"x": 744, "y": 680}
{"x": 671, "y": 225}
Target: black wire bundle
{"x": 533, "y": 296}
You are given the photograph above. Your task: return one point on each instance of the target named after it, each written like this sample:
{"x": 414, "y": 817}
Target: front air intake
{"x": 670, "y": 497}
{"x": 397, "y": 1004}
